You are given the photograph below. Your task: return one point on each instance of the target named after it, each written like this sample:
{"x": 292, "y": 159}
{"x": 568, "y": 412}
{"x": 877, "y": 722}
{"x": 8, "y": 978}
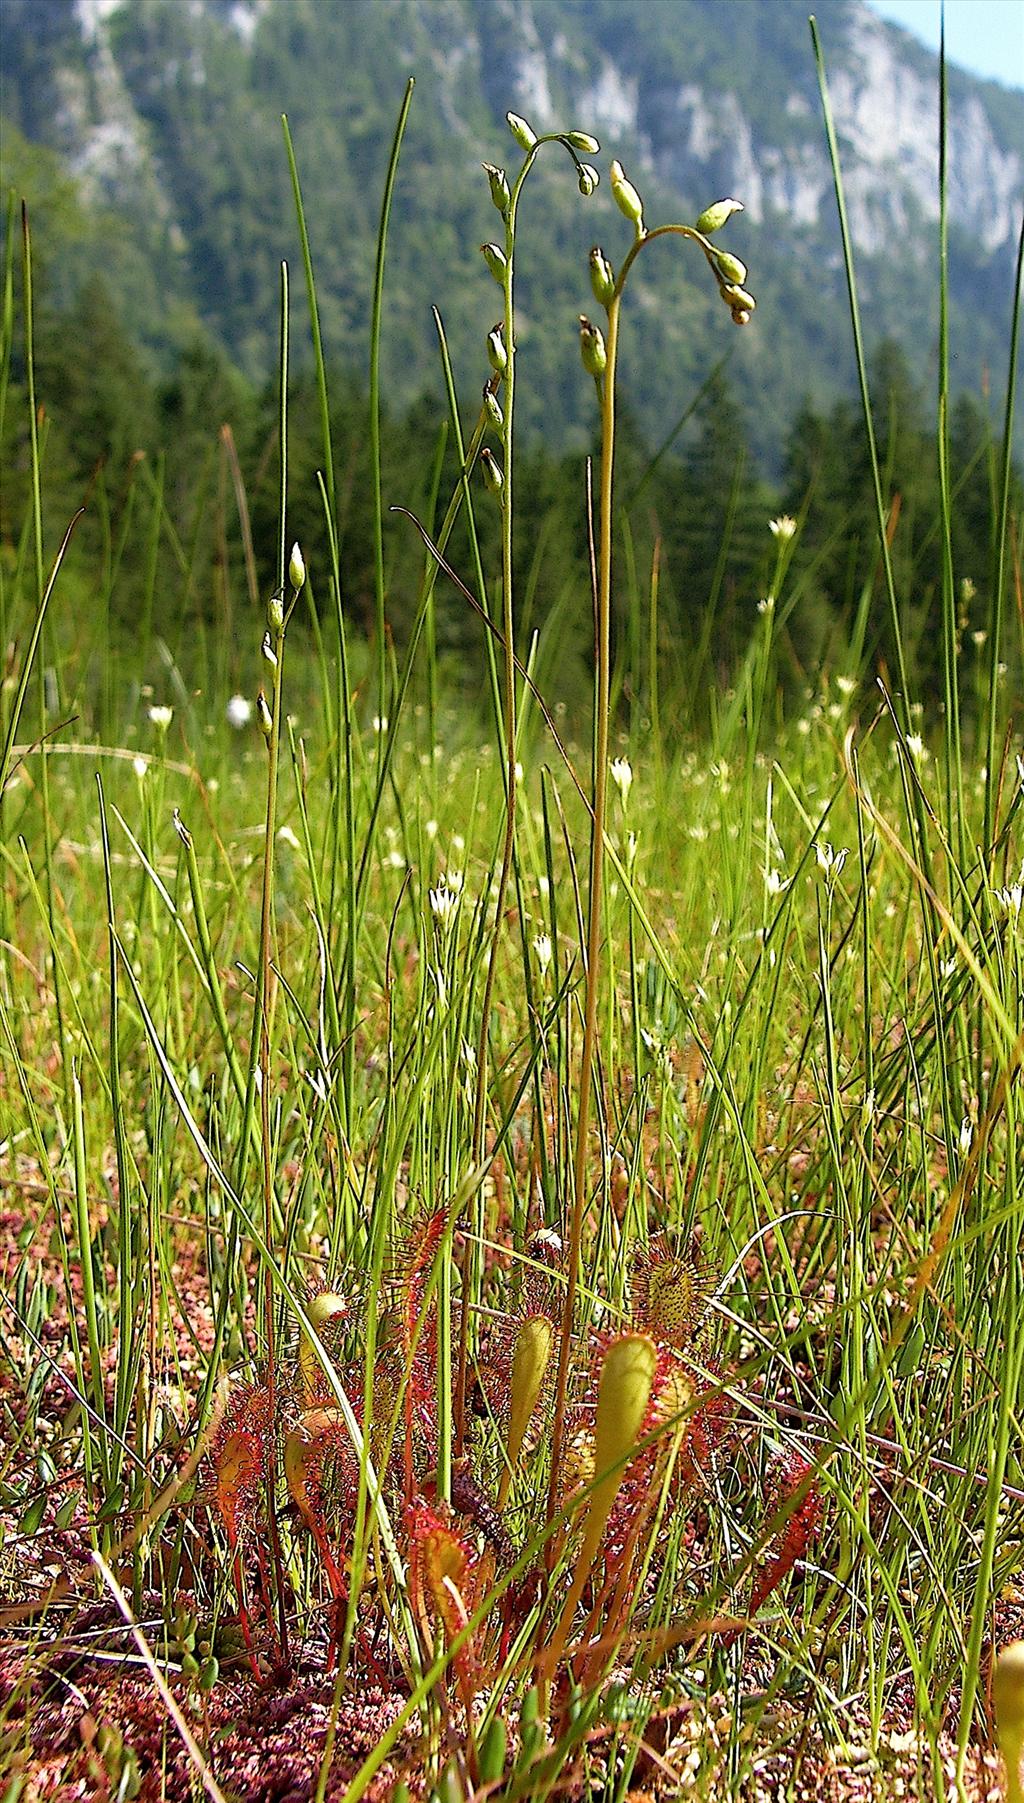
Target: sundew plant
{"x": 512, "y": 1272}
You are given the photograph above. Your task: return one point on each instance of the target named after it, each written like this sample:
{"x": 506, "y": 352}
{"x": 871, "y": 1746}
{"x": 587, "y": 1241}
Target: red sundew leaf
{"x": 791, "y": 1542}
{"x": 235, "y": 1471}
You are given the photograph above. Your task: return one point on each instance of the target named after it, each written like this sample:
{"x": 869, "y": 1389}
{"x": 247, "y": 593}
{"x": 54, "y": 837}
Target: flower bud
{"x": 584, "y": 142}
{"x": 625, "y": 196}
{"x": 588, "y": 180}
{"x": 275, "y": 613}
{"x": 492, "y": 471}
{"x": 267, "y": 651}
{"x": 499, "y": 186}
{"x": 496, "y": 261}
{"x": 729, "y": 267}
{"x": 734, "y": 296}
{"x": 296, "y": 570}
{"x": 713, "y": 218}
{"x": 602, "y": 276}
{"x": 523, "y": 134}
{"x": 497, "y": 355}
{"x": 492, "y": 407}
{"x": 264, "y": 718}
{"x": 592, "y": 348}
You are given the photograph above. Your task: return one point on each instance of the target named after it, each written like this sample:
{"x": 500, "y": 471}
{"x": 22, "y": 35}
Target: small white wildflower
{"x": 469, "y": 1054}
{"x": 966, "y": 1135}
{"x": 978, "y": 638}
{"x": 519, "y": 772}
{"x": 846, "y": 684}
{"x": 775, "y": 882}
{"x": 430, "y": 829}
{"x": 239, "y": 711}
{"x": 830, "y": 861}
{"x": 967, "y": 590}
{"x": 380, "y": 723}
{"x": 698, "y": 832}
{"x": 440, "y": 982}
{"x": 783, "y": 528}
{"x": 287, "y": 836}
{"x": 622, "y": 776}
{"x": 916, "y": 747}
{"x": 803, "y": 727}
{"x": 212, "y": 786}
{"x": 543, "y": 951}
{"x": 835, "y": 710}
{"x": 140, "y": 766}
{"x": 161, "y": 717}
{"x": 394, "y": 860}
{"x": 458, "y": 843}
{"x": 766, "y": 605}
{"x": 947, "y": 968}
{"x": 867, "y": 1108}
{"x": 543, "y": 886}
{"x": 1011, "y": 899}
{"x": 444, "y": 903}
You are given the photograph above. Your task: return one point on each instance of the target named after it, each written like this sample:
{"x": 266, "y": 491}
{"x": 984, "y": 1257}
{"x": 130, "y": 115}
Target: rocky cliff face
{"x": 689, "y": 134}
{"x": 168, "y": 111}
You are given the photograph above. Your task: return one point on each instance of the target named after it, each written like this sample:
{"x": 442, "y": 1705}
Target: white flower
{"x": 966, "y": 1135}
{"x": 916, "y": 747}
{"x": 140, "y": 766}
{"x": 846, "y": 684}
{"x": 1011, "y": 899}
{"x": 766, "y": 605}
{"x": 775, "y": 882}
{"x": 239, "y": 711}
{"x": 830, "y": 861}
{"x": 543, "y": 951}
{"x": 803, "y": 727}
{"x": 444, "y": 903}
{"x": 287, "y": 836}
{"x": 784, "y": 527}
{"x": 430, "y": 829}
{"x": 979, "y": 637}
{"x": 622, "y": 776}
{"x": 380, "y": 723}
{"x": 161, "y": 717}
{"x": 867, "y": 1107}
{"x": 947, "y": 968}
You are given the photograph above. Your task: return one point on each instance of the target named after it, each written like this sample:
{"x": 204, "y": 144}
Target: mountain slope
{"x": 166, "y": 112}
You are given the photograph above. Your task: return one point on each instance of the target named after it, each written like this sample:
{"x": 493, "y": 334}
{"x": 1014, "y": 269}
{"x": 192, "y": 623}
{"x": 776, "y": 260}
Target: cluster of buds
{"x": 728, "y": 271}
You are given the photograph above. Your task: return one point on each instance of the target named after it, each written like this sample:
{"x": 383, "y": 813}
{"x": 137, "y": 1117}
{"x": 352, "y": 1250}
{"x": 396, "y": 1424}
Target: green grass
{"x": 263, "y": 1014}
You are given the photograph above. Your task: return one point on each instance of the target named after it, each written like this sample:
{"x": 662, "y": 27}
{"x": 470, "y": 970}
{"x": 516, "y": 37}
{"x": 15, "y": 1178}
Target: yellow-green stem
{"x": 579, "y": 1198}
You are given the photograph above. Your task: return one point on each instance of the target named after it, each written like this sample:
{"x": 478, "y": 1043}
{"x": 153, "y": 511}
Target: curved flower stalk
{"x": 499, "y": 477}
{"x": 599, "y": 351}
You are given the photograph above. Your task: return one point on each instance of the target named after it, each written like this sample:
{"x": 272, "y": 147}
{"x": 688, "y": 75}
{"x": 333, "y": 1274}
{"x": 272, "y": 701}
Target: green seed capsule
{"x": 499, "y": 186}
{"x": 730, "y": 268}
{"x": 602, "y": 276}
{"x": 496, "y": 261}
{"x": 714, "y": 217}
{"x": 625, "y": 196}
{"x": 523, "y": 134}
{"x": 592, "y": 348}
